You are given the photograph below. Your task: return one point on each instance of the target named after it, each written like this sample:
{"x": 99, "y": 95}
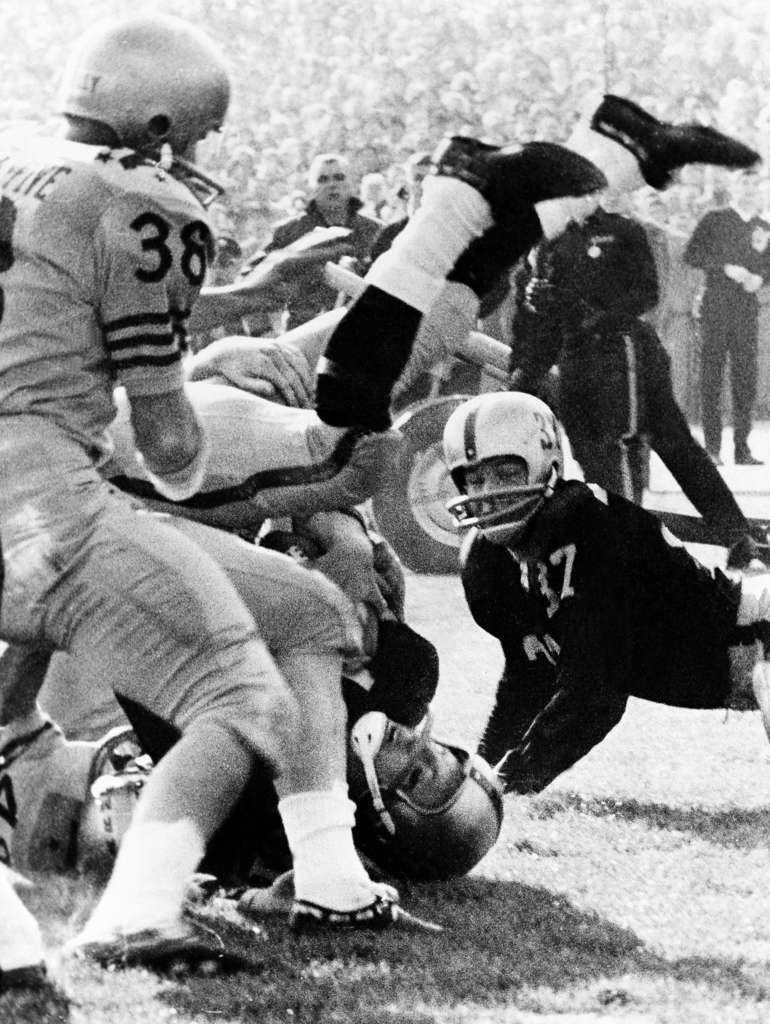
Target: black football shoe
{"x": 661, "y": 148}
{"x": 183, "y": 946}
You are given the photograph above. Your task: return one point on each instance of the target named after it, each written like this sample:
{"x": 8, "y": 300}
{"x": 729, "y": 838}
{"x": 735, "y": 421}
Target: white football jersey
{"x": 102, "y": 255}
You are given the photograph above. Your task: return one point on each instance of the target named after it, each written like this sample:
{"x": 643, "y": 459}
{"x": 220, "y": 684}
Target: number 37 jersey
{"x": 102, "y": 255}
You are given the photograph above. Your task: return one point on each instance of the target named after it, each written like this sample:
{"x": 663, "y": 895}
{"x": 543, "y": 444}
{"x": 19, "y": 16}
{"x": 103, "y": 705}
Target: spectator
{"x": 332, "y": 203}
{"x": 731, "y": 247}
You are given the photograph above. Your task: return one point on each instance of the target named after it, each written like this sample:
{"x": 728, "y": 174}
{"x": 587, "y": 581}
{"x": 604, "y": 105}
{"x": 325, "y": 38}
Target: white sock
{"x": 148, "y": 882}
{"x": 20, "y": 942}
{"x": 327, "y": 869}
{"x": 415, "y": 267}
{"x": 620, "y": 166}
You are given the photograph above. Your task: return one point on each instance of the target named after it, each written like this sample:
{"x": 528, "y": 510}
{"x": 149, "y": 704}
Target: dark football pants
{"x": 730, "y": 330}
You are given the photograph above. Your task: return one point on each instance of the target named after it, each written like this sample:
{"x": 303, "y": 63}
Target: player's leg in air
{"x": 484, "y": 208}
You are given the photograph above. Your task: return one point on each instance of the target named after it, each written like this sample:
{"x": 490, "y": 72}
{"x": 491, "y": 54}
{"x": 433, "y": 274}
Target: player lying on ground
{"x": 442, "y": 803}
{"x": 591, "y": 599}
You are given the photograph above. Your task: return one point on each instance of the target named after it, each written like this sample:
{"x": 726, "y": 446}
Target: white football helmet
{"x": 424, "y": 810}
{"x": 159, "y": 83}
{"x": 494, "y": 426}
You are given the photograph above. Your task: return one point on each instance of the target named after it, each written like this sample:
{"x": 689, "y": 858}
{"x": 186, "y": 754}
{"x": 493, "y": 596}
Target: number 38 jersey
{"x": 101, "y": 256}
{"x": 605, "y": 597}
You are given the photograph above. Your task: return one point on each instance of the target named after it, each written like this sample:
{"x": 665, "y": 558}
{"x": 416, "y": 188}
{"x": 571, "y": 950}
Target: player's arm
{"x": 171, "y": 442}
{"x": 267, "y": 286}
{"x": 575, "y": 719}
{"x": 22, "y": 671}
{"x": 348, "y": 556}
{"x": 270, "y": 368}
{"x": 581, "y": 595}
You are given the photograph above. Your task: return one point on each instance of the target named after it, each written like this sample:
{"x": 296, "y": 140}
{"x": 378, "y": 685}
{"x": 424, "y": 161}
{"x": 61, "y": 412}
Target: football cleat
{"x": 176, "y": 947}
{"x": 383, "y": 912}
{"x": 661, "y": 148}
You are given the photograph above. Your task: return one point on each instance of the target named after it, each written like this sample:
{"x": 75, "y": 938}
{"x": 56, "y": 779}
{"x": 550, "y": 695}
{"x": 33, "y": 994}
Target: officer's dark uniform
{"x": 729, "y": 320}
{"x": 602, "y": 607}
{"x": 579, "y": 302}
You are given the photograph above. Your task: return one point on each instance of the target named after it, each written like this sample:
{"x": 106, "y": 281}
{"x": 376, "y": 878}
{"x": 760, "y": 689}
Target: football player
{"x": 591, "y": 598}
{"x": 105, "y": 245}
{"x": 483, "y": 209}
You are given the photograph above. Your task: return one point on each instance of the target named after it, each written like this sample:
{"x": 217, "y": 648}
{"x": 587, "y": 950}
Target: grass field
{"x": 635, "y": 889}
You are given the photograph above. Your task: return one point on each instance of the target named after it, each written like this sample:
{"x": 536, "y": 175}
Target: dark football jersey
{"x": 606, "y": 596}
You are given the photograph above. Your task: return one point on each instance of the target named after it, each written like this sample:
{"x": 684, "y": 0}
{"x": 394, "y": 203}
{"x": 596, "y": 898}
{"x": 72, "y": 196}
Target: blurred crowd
{"x": 377, "y": 80}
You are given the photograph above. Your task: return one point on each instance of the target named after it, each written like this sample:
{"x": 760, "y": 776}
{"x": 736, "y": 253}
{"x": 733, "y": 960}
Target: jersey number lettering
{"x": 561, "y": 556}
{"x": 7, "y": 222}
{"x": 155, "y": 232}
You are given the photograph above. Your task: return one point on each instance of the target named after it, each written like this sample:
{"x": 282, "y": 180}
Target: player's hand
{"x": 736, "y": 273}
{"x": 264, "y": 366}
{"x": 284, "y": 272}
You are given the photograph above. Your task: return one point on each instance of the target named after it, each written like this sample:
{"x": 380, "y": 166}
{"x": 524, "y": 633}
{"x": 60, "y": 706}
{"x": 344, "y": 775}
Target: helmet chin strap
{"x": 207, "y": 189}
{"x": 166, "y": 160}
{"x": 367, "y": 737}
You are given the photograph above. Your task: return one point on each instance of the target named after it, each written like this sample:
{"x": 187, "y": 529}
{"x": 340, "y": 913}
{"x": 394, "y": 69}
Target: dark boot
{"x": 661, "y": 148}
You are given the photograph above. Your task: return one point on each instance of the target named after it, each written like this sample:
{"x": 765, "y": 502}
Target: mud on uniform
{"x": 103, "y": 256}
{"x": 606, "y": 605}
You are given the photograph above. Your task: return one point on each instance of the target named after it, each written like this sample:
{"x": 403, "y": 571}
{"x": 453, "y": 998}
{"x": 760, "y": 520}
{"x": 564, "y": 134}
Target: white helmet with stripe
{"x": 499, "y": 428}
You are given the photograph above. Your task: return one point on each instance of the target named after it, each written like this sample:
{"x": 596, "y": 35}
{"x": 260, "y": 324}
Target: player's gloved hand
{"x": 265, "y": 367}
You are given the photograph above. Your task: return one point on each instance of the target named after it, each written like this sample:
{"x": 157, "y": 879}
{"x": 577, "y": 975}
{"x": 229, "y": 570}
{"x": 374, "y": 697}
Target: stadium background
{"x": 380, "y": 79}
